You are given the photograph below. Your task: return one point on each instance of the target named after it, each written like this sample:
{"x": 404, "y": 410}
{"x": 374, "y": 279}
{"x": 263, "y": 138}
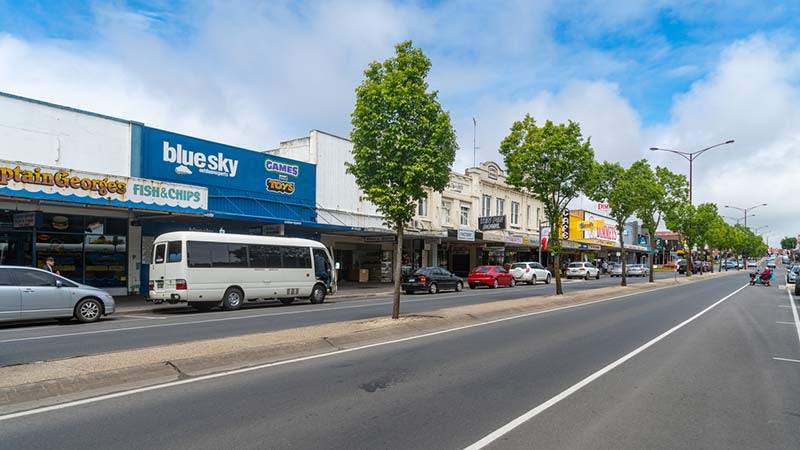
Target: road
{"x": 690, "y": 367}
{"x": 46, "y": 341}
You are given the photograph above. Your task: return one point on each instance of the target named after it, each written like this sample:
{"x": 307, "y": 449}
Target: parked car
{"x": 638, "y": 270}
{"x": 682, "y": 266}
{"x": 583, "y": 270}
{"x": 615, "y": 270}
{"x": 752, "y": 264}
{"x": 791, "y": 274}
{"x": 730, "y": 265}
{"x": 741, "y": 264}
{"x": 491, "y": 276}
{"x": 530, "y": 272}
{"x": 431, "y": 280}
{"x": 28, "y": 293}
{"x": 771, "y": 263}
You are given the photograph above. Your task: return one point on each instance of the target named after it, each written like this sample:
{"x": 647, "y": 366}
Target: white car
{"x": 638, "y": 270}
{"x": 583, "y": 270}
{"x": 530, "y": 272}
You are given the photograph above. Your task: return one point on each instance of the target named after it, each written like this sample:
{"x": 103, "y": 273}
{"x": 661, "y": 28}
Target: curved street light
{"x": 745, "y": 211}
{"x": 690, "y": 156}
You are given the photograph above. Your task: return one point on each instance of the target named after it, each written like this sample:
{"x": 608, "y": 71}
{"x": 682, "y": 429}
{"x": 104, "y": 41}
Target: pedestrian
{"x": 605, "y": 266}
{"x": 322, "y": 269}
{"x": 50, "y": 265}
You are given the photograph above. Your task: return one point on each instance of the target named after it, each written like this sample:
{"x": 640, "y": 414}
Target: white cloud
{"x": 253, "y": 75}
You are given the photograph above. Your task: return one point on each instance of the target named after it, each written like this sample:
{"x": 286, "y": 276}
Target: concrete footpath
{"x": 30, "y": 385}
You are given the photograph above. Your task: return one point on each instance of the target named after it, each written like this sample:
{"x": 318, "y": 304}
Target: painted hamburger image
{"x": 60, "y": 223}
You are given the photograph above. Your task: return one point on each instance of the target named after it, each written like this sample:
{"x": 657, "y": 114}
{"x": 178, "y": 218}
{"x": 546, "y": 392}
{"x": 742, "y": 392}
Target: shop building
{"x": 67, "y": 191}
{"x": 590, "y": 236}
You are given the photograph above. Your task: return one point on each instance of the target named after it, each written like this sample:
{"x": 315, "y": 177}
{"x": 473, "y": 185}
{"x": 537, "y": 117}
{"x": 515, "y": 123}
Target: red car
{"x": 492, "y": 276}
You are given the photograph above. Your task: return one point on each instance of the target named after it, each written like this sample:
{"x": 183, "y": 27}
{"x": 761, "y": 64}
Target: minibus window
{"x": 296, "y": 258}
{"x": 198, "y": 254}
{"x": 174, "y": 251}
{"x": 158, "y": 254}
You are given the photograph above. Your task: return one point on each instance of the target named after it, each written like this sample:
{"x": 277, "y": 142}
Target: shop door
{"x": 16, "y": 248}
{"x": 461, "y": 264}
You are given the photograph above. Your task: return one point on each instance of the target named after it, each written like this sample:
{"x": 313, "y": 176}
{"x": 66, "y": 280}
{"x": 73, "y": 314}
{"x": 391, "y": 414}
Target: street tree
{"x": 403, "y": 142}
{"x": 707, "y": 219}
{"x": 625, "y": 191}
{"x": 659, "y": 191}
{"x": 789, "y": 243}
{"x": 553, "y": 163}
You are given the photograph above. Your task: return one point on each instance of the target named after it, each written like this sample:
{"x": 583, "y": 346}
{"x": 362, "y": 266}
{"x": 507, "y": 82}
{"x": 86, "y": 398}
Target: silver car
{"x": 615, "y": 270}
{"x": 28, "y": 293}
{"x": 791, "y": 274}
{"x": 638, "y": 270}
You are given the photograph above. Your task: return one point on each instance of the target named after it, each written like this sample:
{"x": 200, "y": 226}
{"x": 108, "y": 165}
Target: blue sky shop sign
{"x": 19, "y": 179}
{"x": 240, "y": 182}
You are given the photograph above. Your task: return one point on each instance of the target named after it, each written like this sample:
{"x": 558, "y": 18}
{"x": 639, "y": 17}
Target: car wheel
{"x": 88, "y": 310}
{"x": 317, "y": 294}
{"x": 547, "y": 280}
{"x": 287, "y": 301}
{"x": 233, "y": 299}
{"x": 586, "y": 277}
{"x": 512, "y": 283}
{"x": 459, "y": 286}
{"x": 433, "y": 288}
{"x": 533, "y": 280}
{"x": 597, "y": 277}
{"x": 495, "y": 283}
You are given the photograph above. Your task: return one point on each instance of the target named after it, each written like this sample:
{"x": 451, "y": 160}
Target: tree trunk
{"x": 689, "y": 259}
{"x": 712, "y": 262}
{"x": 398, "y": 271}
{"x": 650, "y": 256}
{"x": 557, "y": 269}
{"x": 624, "y": 263}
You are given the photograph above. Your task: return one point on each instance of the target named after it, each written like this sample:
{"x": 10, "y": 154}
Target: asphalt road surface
{"x": 47, "y": 340}
{"x": 712, "y": 365}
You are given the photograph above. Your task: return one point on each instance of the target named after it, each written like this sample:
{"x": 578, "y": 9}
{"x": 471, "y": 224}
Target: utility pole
{"x": 474, "y": 142}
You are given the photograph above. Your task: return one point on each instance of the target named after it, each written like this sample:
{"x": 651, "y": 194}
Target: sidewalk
{"x": 347, "y": 289}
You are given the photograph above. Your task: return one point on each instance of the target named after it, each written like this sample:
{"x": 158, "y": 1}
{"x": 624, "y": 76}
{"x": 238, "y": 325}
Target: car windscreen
{"x": 482, "y": 269}
{"x": 575, "y": 265}
{"x": 423, "y": 271}
{"x": 519, "y": 266}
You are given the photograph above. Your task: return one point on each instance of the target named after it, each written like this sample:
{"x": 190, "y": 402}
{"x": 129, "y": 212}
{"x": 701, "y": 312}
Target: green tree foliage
{"x": 659, "y": 191}
{"x": 625, "y": 190}
{"x": 403, "y": 142}
{"x": 789, "y": 243}
{"x": 553, "y": 163}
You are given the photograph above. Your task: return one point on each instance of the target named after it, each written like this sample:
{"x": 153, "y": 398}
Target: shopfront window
{"x": 487, "y": 205}
{"x": 514, "y": 213}
{"x": 464, "y": 214}
{"x": 501, "y": 207}
{"x": 86, "y": 249}
{"x": 446, "y": 208}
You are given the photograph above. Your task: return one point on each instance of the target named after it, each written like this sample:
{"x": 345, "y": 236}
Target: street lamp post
{"x": 690, "y": 156}
{"x": 745, "y": 211}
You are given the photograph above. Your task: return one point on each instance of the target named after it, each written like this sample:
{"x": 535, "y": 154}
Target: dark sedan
{"x": 432, "y": 280}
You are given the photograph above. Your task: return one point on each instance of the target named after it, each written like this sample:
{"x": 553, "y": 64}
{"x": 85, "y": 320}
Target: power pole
{"x": 474, "y": 142}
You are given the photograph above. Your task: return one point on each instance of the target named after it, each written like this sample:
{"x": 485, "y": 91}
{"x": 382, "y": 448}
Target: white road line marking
{"x": 786, "y": 323}
{"x": 212, "y": 376}
{"x": 793, "y": 305}
{"x": 510, "y": 426}
{"x": 786, "y": 359}
{"x": 786, "y": 306}
{"x": 139, "y": 316}
{"x": 256, "y": 316}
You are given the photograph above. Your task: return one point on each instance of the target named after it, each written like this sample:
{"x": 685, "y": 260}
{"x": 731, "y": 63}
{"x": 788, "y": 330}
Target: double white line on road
{"x": 510, "y": 426}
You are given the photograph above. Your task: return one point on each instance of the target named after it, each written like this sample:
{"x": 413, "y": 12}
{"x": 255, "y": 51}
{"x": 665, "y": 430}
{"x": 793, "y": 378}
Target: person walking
{"x": 50, "y": 265}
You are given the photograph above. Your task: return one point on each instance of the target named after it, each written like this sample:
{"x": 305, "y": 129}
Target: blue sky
{"x": 634, "y": 73}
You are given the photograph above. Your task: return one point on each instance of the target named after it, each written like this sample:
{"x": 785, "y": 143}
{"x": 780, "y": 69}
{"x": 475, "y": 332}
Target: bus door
{"x": 158, "y": 266}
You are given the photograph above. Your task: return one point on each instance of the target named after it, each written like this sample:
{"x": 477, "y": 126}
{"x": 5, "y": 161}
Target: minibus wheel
{"x": 317, "y": 294}
{"x": 233, "y": 299}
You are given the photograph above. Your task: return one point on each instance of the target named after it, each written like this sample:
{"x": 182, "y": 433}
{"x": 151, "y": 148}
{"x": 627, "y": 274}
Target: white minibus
{"x": 215, "y": 269}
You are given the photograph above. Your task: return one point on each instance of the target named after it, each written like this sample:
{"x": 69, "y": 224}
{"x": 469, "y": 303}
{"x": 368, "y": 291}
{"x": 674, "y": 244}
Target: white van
{"x": 211, "y": 269}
